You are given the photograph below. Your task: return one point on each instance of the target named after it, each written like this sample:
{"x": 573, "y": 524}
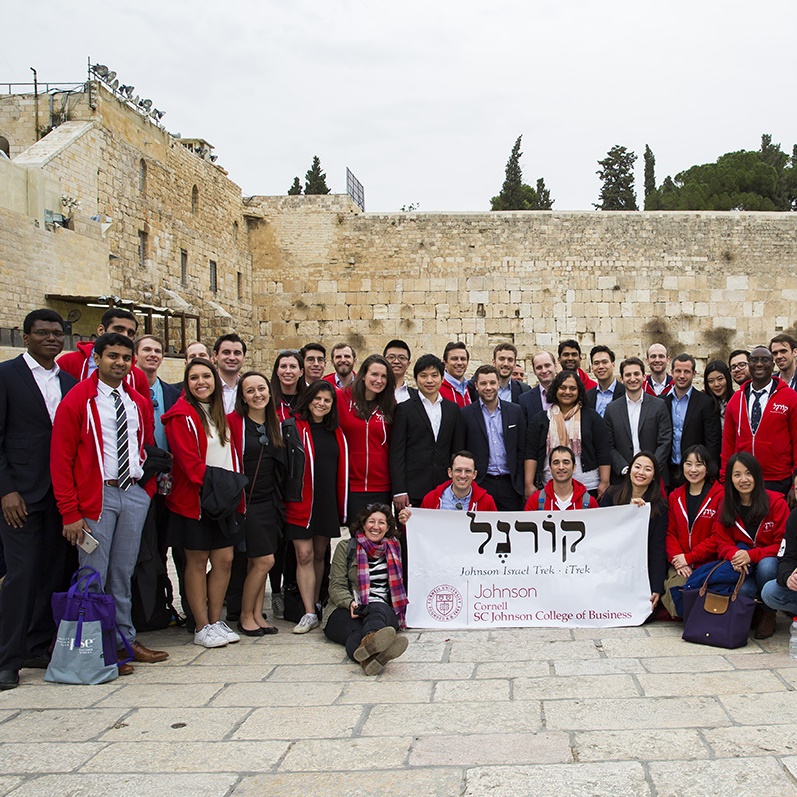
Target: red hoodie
{"x": 698, "y": 544}
{"x": 368, "y": 443}
{"x": 767, "y": 539}
{"x": 588, "y": 381}
{"x": 299, "y": 513}
{"x": 77, "y": 364}
{"x": 76, "y": 454}
{"x": 550, "y": 505}
{"x": 480, "y": 499}
{"x": 188, "y": 443}
{"x": 774, "y": 444}
{"x": 448, "y": 392}
{"x": 647, "y": 386}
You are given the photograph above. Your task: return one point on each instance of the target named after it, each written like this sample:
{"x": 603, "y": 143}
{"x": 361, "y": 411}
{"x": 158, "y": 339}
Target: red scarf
{"x": 391, "y": 550}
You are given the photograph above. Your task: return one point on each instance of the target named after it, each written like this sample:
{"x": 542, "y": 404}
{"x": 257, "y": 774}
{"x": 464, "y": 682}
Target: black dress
{"x": 263, "y": 517}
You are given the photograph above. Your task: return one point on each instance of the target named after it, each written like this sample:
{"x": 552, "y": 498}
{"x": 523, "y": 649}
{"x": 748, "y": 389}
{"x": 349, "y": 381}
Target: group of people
{"x": 249, "y": 476}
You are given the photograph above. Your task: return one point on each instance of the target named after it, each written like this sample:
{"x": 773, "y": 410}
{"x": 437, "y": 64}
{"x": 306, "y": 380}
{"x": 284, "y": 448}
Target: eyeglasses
{"x": 397, "y": 358}
{"x": 47, "y": 333}
{"x": 763, "y": 359}
{"x": 261, "y": 430}
{"x": 155, "y": 403}
{"x": 738, "y": 366}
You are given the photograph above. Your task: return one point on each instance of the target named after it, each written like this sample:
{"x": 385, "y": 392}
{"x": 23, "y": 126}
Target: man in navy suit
{"x": 608, "y": 388}
{"x": 31, "y": 387}
{"x": 495, "y": 431}
{"x": 535, "y": 400}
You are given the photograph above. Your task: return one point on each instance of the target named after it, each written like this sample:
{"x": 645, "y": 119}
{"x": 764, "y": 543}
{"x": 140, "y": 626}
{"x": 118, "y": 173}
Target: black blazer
{"x": 595, "y": 449}
{"x": 418, "y": 462}
{"x": 170, "y": 394}
{"x": 531, "y": 402}
{"x": 702, "y": 424}
{"x": 513, "y": 423}
{"x": 655, "y": 434}
{"x": 25, "y": 432}
{"x": 592, "y": 394}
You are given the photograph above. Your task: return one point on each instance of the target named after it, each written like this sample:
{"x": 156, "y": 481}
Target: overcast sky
{"x": 424, "y": 99}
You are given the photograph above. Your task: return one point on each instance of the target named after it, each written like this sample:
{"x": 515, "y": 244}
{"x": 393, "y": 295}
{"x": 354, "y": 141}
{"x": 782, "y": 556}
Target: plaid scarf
{"x": 391, "y": 550}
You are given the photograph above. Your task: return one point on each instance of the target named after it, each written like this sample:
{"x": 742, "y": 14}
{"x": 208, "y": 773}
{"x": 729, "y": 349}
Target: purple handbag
{"x": 86, "y": 602}
{"x": 722, "y": 621}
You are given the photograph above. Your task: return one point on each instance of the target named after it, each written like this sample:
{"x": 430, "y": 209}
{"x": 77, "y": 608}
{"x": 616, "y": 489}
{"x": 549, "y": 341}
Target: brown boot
{"x": 398, "y": 646}
{"x": 372, "y": 666}
{"x": 766, "y": 624}
{"x": 374, "y": 643}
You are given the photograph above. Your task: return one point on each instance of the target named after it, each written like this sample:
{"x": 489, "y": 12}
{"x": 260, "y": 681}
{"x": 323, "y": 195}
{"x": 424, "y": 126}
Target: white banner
{"x": 575, "y": 569}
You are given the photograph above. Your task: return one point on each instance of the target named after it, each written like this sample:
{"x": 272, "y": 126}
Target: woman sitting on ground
{"x": 694, "y": 507}
{"x": 642, "y": 485}
{"x": 367, "y": 600}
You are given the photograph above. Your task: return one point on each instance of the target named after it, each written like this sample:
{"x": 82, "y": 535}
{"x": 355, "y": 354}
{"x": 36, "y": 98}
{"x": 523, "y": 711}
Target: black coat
{"x": 592, "y": 394}
{"x": 702, "y": 424}
{"x": 595, "y": 449}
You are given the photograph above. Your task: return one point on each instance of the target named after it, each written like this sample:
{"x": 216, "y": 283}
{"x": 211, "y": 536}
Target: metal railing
{"x": 354, "y": 188}
{"x": 44, "y": 88}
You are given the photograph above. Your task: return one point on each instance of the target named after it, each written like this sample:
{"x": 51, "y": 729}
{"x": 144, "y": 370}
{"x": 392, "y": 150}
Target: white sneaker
{"x": 223, "y": 630}
{"x": 209, "y": 637}
{"x": 307, "y": 623}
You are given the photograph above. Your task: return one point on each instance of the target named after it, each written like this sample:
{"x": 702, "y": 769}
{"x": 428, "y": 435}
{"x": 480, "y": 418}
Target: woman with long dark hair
{"x": 750, "y": 528}
{"x": 287, "y": 382}
{"x": 198, "y": 435}
{"x": 367, "y": 599}
{"x": 255, "y": 430}
{"x": 313, "y": 521}
{"x": 642, "y": 485}
{"x": 718, "y": 384}
{"x": 571, "y": 423}
{"x": 366, "y": 414}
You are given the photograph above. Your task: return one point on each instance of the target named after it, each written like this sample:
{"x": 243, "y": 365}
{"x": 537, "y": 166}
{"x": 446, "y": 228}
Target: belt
{"x": 498, "y": 476}
{"x": 115, "y": 482}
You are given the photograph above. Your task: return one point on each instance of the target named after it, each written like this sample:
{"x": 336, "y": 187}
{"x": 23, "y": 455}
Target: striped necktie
{"x": 122, "y": 445}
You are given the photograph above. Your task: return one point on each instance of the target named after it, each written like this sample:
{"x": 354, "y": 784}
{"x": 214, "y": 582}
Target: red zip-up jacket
{"x": 188, "y": 443}
{"x": 76, "y": 363}
{"x": 647, "y": 386}
{"x": 767, "y": 539}
{"x": 480, "y": 499}
{"x": 588, "y": 381}
{"x": 774, "y": 444}
{"x": 550, "y": 505}
{"x": 76, "y": 453}
{"x": 300, "y": 513}
{"x": 368, "y": 442}
{"x": 448, "y": 392}
{"x": 698, "y": 544}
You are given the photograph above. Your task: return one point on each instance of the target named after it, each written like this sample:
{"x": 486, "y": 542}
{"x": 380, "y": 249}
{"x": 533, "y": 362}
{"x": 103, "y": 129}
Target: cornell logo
{"x": 444, "y": 603}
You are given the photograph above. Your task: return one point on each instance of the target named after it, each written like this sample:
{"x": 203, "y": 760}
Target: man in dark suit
{"x": 608, "y": 388}
{"x": 427, "y": 431}
{"x": 31, "y": 387}
{"x": 637, "y": 422}
{"x": 495, "y": 431}
{"x": 694, "y": 415}
{"x": 535, "y": 400}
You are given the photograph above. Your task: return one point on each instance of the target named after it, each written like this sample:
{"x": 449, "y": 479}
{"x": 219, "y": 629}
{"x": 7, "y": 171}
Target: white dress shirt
{"x": 434, "y": 411}
{"x": 106, "y": 406}
{"x": 634, "y": 411}
{"x": 48, "y": 383}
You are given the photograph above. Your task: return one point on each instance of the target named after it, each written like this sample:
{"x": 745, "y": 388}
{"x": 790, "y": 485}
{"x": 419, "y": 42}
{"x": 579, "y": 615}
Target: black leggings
{"x": 346, "y": 630}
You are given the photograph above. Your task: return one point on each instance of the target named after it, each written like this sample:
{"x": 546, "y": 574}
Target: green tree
{"x": 517, "y": 195}
{"x": 650, "y": 171}
{"x": 617, "y": 174}
{"x": 296, "y": 188}
{"x": 315, "y": 181}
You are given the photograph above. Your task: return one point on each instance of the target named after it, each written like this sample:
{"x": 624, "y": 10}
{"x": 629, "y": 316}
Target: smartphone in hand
{"x": 89, "y": 544}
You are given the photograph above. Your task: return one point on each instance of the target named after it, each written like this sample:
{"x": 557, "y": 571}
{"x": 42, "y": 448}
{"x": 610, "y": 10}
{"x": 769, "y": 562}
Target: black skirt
{"x": 263, "y": 529}
{"x": 200, "y": 535}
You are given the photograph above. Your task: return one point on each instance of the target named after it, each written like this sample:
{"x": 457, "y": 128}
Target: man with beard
{"x": 343, "y": 359}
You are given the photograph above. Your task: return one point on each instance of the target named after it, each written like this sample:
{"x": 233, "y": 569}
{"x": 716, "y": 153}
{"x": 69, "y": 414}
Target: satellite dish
{"x": 74, "y": 316}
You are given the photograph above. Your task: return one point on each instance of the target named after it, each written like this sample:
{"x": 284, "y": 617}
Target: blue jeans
{"x": 777, "y": 597}
{"x": 764, "y": 571}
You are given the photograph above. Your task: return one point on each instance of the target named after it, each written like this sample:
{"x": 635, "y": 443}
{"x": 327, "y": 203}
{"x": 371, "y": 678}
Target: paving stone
{"x": 533, "y": 635}
{"x": 711, "y": 683}
{"x": 545, "y": 747}
{"x": 653, "y": 647}
{"x": 368, "y": 691}
{"x": 60, "y": 725}
{"x": 279, "y": 694}
{"x": 399, "y": 671}
{"x": 687, "y": 664}
{"x": 652, "y": 745}
{"x": 582, "y": 686}
{"x": 330, "y": 755}
{"x": 790, "y": 762}
{"x": 496, "y": 691}
{"x": 441, "y": 635}
{"x": 176, "y": 724}
{"x": 607, "y": 633}
{"x": 406, "y": 783}
{"x": 523, "y": 651}
{"x": 287, "y": 723}
{"x": 206, "y": 674}
{"x": 45, "y": 695}
{"x": 8, "y": 784}
{"x": 178, "y": 656}
{"x": 513, "y": 669}
{"x": 299, "y": 651}
{"x": 765, "y": 709}
{"x": 727, "y": 776}
{"x": 316, "y": 672}
{"x": 158, "y": 696}
{"x": 87, "y": 785}
{"x": 597, "y": 666}
{"x": 260, "y": 756}
{"x": 37, "y": 757}
{"x": 769, "y": 661}
{"x": 626, "y": 779}
{"x": 627, "y": 713}
{"x": 449, "y": 718}
{"x": 425, "y": 651}
{"x": 739, "y": 741}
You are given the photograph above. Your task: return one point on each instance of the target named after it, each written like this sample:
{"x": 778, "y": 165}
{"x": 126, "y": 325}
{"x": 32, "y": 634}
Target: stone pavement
{"x": 633, "y": 711}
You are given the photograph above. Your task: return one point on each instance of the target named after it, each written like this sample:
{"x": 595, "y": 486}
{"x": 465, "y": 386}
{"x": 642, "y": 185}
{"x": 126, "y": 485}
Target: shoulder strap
{"x": 541, "y": 501}
{"x": 585, "y": 500}
{"x": 350, "y": 552}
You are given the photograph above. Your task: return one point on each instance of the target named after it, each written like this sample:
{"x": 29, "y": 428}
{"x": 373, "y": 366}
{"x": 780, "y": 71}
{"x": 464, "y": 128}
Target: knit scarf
{"x": 391, "y": 550}
{"x": 557, "y": 430}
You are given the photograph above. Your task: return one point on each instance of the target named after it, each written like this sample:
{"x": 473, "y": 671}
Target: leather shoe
{"x": 126, "y": 669}
{"x": 255, "y": 632}
{"x": 766, "y": 624}
{"x": 36, "y": 663}
{"x": 144, "y": 655}
{"x": 9, "y": 679}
